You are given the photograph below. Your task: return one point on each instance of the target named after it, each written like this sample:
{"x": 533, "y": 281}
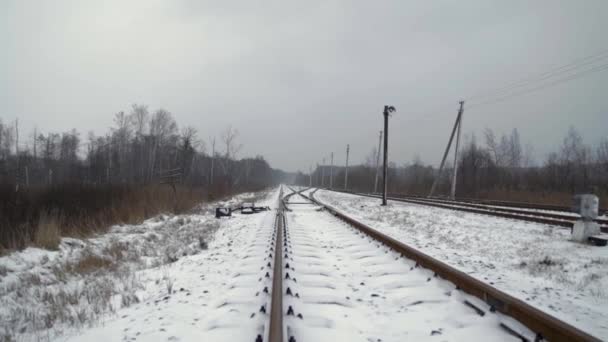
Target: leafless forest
{"x": 55, "y": 184}
{"x": 495, "y": 167}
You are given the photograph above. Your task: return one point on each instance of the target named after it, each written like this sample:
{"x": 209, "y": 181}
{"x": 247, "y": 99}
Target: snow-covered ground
{"x": 186, "y": 277}
{"x": 534, "y": 262}
{"x": 349, "y": 288}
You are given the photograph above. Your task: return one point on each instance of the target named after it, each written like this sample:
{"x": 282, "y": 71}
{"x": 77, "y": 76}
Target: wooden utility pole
{"x": 331, "y": 172}
{"x": 455, "y": 175}
{"x": 378, "y": 162}
{"x": 346, "y": 168}
{"x": 387, "y": 111}
{"x": 447, "y": 150}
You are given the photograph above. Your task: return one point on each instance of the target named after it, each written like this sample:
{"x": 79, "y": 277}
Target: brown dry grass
{"x": 48, "y": 231}
{"x": 88, "y": 264}
{"x": 42, "y": 216}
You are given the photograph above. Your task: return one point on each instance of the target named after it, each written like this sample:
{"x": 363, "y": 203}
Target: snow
{"x": 221, "y": 294}
{"x": 192, "y": 277}
{"x": 174, "y": 277}
{"x": 534, "y": 262}
{"x": 349, "y": 288}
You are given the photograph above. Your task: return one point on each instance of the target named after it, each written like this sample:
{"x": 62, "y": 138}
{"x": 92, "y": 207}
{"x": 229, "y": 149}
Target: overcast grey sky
{"x": 302, "y": 79}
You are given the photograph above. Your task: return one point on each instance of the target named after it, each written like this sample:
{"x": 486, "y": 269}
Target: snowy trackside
{"x": 184, "y": 277}
{"x": 217, "y": 295}
{"x": 534, "y": 262}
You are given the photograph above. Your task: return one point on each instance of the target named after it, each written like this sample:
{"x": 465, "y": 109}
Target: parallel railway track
{"x": 523, "y": 205}
{"x": 303, "y": 235}
{"x": 531, "y": 209}
{"x": 529, "y": 214}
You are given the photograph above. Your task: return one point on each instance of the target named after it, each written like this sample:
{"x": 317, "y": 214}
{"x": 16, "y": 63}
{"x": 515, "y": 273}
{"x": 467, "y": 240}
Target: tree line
{"x": 63, "y": 184}
{"x": 139, "y": 148}
{"x": 496, "y": 167}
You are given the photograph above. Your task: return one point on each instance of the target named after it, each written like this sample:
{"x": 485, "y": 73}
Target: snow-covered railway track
{"x": 563, "y": 219}
{"x": 343, "y": 280}
{"x": 341, "y": 284}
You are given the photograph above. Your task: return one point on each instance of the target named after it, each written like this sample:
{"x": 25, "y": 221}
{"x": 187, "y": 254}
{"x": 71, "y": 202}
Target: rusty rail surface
{"x": 545, "y": 326}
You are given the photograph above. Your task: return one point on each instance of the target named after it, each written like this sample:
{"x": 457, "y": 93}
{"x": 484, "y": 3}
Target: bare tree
{"x": 121, "y": 136}
{"x": 528, "y": 156}
{"x": 139, "y": 118}
{"x": 188, "y": 144}
{"x": 162, "y": 126}
{"x": 575, "y": 160}
{"x": 231, "y": 146}
{"x": 231, "y": 149}
{"x": 189, "y": 137}
{"x": 492, "y": 145}
{"x": 514, "y": 150}
{"x": 69, "y": 145}
{"x": 7, "y": 140}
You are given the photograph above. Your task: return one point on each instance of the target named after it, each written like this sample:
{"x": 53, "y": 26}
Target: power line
{"x": 567, "y": 72}
{"x": 530, "y": 80}
{"x": 581, "y": 74}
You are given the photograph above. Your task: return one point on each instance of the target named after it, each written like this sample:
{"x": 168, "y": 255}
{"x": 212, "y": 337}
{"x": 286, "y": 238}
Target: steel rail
{"x": 515, "y": 204}
{"x": 544, "y": 325}
{"x": 497, "y": 207}
{"x": 275, "y": 329}
{"x": 523, "y": 216}
{"x": 538, "y": 217}
{"x": 520, "y": 204}
{"x": 523, "y": 206}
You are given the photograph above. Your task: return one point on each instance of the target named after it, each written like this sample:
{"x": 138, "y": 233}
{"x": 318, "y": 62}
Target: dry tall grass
{"x": 48, "y": 231}
{"x": 40, "y": 216}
